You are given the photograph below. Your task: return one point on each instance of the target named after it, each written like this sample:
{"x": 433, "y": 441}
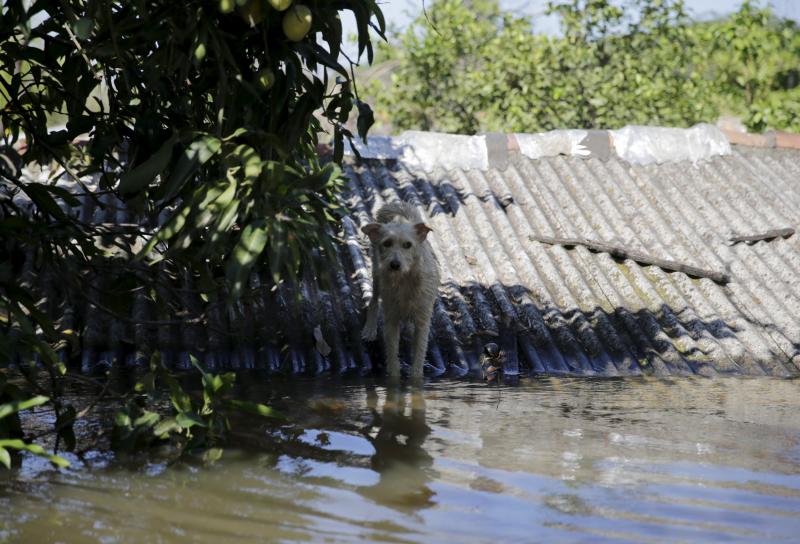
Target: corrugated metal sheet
{"x": 551, "y": 309}
{"x": 574, "y": 311}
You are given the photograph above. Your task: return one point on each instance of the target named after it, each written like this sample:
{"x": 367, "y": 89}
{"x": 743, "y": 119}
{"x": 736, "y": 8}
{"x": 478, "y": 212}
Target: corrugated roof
{"x": 575, "y": 311}
{"x": 551, "y": 308}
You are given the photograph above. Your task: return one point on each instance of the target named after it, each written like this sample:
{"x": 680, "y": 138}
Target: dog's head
{"x": 398, "y": 244}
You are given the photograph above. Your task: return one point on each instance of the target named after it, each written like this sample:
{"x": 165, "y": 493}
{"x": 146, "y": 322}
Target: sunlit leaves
{"x": 16, "y": 406}
{"x": 35, "y": 449}
{"x": 196, "y": 155}
{"x": 10, "y": 410}
{"x": 251, "y": 243}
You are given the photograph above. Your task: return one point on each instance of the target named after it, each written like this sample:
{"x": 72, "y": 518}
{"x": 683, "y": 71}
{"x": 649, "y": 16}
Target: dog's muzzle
{"x": 394, "y": 265}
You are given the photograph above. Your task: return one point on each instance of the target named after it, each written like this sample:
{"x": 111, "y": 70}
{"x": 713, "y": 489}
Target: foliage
{"x": 614, "y": 63}
{"x": 12, "y": 402}
{"x": 196, "y": 423}
{"x": 754, "y": 63}
{"x": 204, "y": 113}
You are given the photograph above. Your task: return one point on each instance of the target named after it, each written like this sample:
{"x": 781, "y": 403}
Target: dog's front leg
{"x": 391, "y": 339}
{"x": 370, "y": 330}
{"x": 422, "y": 328}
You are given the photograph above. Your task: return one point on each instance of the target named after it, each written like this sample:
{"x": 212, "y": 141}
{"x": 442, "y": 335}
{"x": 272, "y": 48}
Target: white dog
{"x": 405, "y": 276}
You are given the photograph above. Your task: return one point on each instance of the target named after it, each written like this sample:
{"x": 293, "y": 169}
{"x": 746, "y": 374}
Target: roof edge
{"x": 634, "y": 144}
{"x": 771, "y": 138}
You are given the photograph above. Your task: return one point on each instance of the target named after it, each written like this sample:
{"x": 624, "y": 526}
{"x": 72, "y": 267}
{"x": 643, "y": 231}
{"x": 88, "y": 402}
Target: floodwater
{"x": 550, "y": 460}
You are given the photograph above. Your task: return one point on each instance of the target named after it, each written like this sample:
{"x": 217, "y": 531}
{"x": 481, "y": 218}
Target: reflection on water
{"x": 550, "y": 460}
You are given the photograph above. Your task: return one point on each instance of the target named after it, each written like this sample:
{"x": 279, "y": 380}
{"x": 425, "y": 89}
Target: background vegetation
{"x": 471, "y": 67}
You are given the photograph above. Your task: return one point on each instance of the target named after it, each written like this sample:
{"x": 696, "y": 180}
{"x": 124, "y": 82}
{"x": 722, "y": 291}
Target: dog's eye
{"x": 407, "y": 245}
{"x": 387, "y": 243}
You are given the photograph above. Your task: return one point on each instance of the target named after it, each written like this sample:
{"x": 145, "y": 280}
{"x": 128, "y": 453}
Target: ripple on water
{"x": 555, "y": 460}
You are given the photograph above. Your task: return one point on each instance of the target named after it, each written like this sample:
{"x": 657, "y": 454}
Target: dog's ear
{"x": 373, "y": 230}
{"x": 422, "y": 231}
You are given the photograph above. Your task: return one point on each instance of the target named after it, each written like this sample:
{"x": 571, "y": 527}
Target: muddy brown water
{"x": 550, "y": 460}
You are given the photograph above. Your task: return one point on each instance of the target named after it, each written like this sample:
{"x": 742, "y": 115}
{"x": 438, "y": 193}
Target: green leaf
{"x": 338, "y": 146}
{"x": 321, "y": 179}
{"x": 146, "y": 384}
{"x": 314, "y": 53}
{"x": 83, "y": 28}
{"x": 40, "y": 196}
{"x": 212, "y": 383}
{"x": 196, "y": 363}
{"x": 140, "y": 177}
{"x": 5, "y": 457}
{"x": 224, "y": 199}
{"x": 227, "y": 217}
{"x": 195, "y": 156}
{"x": 247, "y": 250}
{"x": 168, "y": 231}
{"x": 241, "y": 131}
{"x": 48, "y": 355}
{"x": 34, "y": 449}
{"x": 14, "y": 443}
{"x": 212, "y": 455}
{"x": 147, "y": 419}
{"x": 180, "y": 399}
{"x": 254, "y": 408}
{"x": 63, "y": 194}
{"x": 365, "y": 119}
{"x": 20, "y": 406}
{"x": 121, "y": 419}
{"x": 166, "y": 426}
{"x": 187, "y": 420}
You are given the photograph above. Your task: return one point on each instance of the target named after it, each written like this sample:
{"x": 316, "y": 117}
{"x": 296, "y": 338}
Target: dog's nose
{"x": 394, "y": 265}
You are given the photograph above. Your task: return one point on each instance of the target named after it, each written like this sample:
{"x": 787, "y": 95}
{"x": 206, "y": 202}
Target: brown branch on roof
{"x": 769, "y": 235}
{"x": 637, "y": 256}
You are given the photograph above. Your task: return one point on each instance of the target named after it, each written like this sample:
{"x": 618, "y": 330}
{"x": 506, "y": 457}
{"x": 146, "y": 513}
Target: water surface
{"x": 553, "y": 460}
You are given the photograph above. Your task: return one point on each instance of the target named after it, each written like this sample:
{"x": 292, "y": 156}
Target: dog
{"x": 405, "y": 277}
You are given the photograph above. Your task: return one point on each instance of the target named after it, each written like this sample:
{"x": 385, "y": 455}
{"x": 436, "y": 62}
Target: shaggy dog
{"x": 405, "y": 276}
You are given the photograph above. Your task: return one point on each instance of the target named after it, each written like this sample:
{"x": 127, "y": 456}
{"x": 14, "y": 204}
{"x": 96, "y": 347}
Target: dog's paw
{"x": 369, "y": 333}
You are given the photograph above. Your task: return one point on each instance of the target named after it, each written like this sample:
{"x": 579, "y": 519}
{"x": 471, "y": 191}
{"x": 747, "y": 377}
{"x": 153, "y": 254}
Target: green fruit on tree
{"x": 266, "y": 78}
{"x": 200, "y": 52}
{"x": 280, "y": 5}
{"x": 226, "y": 6}
{"x": 297, "y": 22}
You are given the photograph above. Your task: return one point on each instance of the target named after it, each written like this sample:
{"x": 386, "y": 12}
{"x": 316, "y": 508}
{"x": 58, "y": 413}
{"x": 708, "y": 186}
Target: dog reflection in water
{"x": 398, "y": 432}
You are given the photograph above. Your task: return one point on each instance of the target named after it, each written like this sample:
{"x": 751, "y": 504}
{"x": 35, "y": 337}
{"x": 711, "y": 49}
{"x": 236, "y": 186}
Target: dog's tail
{"x": 402, "y": 210}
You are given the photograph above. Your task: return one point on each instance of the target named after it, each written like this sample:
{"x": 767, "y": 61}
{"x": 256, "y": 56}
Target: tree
{"x": 614, "y": 63}
{"x": 754, "y": 63}
{"x": 207, "y": 110}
